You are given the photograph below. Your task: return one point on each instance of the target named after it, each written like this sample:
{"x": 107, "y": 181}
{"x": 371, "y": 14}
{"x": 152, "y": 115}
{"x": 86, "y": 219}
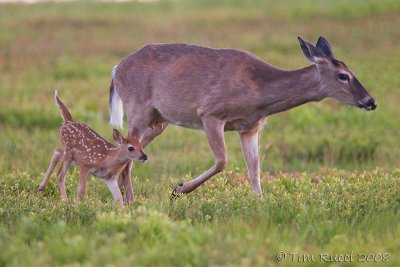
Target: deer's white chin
{"x": 363, "y": 107}
{"x": 366, "y": 108}
{"x": 138, "y": 160}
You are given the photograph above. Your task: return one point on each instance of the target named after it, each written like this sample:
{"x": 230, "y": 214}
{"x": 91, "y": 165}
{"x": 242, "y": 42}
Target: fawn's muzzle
{"x": 143, "y": 157}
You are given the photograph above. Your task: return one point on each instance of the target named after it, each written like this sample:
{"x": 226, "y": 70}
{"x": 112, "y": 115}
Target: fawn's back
{"x": 83, "y": 143}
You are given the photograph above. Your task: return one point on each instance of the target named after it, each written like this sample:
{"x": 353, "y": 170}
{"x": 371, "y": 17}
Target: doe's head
{"x": 129, "y": 149}
{"x": 337, "y": 79}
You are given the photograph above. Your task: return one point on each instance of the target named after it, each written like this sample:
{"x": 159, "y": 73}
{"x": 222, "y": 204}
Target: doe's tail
{"x": 66, "y": 115}
{"x": 116, "y": 110}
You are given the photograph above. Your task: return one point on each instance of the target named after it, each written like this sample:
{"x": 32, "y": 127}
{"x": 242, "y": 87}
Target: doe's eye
{"x": 343, "y": 77}
{"x": 131, "y": 148}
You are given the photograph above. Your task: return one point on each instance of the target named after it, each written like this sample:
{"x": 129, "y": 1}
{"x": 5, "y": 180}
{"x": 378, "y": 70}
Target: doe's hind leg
{"x": 153, "y": 132}
{"x": 125, "y": 182}
{"x": 125, "y": 178}
{"x": 57, "y": 156}
{"x": 140, "y": 117}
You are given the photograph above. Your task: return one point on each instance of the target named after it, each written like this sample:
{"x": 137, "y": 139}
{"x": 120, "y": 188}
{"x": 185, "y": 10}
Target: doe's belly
{"x": 238, "y": 122}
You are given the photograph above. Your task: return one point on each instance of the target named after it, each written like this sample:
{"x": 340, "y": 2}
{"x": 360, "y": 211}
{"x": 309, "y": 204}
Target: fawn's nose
{"x": 143, "y": 157}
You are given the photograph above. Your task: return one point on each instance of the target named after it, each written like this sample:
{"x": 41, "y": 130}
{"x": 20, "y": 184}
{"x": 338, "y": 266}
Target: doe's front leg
{"x": 249, "y": 144}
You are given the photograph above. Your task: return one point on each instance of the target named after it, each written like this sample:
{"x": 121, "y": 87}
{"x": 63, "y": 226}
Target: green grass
{"x": 330, "y": 173}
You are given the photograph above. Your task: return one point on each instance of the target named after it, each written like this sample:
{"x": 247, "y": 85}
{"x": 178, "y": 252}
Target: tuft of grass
{"x": 328, "y": 211}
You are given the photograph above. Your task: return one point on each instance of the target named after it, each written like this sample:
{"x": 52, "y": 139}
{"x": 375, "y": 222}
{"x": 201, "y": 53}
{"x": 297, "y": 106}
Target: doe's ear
{"x": 324, "y": 46}
{"x": 312, "y": 53}
{"x": 118, "y": 138}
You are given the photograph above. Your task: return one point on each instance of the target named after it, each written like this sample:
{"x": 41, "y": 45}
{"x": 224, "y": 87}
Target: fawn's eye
{"x": 131, "y": 148}
{"x": 343, "y": 77}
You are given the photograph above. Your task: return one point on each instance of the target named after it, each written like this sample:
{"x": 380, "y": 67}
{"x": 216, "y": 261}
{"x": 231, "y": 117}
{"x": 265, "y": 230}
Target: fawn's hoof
{"x": 177, "y": 192}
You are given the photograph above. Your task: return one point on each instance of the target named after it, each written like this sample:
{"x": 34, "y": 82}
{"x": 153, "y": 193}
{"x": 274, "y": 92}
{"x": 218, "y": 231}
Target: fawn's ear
{"x": 118, "y": 138}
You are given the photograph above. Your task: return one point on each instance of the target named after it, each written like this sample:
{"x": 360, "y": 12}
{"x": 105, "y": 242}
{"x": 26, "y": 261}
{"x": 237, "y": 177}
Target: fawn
{"x": 92, "y": 154}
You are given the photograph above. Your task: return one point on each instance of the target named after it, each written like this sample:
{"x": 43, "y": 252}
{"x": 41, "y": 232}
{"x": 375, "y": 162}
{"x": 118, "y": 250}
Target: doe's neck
{"x": 289, "y": 89}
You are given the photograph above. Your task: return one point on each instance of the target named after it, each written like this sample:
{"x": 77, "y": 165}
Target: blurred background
{"x": 72, "y": 46}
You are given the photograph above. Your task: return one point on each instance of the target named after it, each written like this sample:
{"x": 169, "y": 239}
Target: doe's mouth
{"x": 367, "y": 107}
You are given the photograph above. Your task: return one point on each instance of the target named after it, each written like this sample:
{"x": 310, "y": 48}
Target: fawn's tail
{"x": 66, "y": 115}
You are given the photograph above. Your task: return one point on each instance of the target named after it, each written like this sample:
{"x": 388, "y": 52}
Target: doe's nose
{"x": 372, "y": 103}
{"x": 368, "y": 103}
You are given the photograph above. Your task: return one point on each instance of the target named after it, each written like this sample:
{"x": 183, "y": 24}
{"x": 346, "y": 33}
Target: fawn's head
{"x": 128, "y": 149}
{"x": 337, "y": 79}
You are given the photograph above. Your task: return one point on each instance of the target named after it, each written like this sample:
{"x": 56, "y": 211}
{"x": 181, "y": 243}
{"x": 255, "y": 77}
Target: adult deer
{"x": 219, "y": 90}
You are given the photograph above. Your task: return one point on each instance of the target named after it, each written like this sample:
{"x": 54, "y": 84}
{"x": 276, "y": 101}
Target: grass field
{"x": 330, "y": 173}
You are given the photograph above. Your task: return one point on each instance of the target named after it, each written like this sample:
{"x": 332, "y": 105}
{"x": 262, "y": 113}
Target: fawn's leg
{"x": 61, "y": 178}
{"x": 57, "y": 155}
{"x": 116, "y": 192}
{"x": 83, "y": 176}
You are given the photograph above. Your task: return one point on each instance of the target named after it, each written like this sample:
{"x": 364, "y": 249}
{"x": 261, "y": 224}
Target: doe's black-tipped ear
{"x": 118, "y": 138}
{"x": 324, "y": 46}
{"x": 311, "y": 52}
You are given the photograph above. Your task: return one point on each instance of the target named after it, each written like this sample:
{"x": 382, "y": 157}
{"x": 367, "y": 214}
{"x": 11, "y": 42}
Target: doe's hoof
{"x": 177, "y": 192}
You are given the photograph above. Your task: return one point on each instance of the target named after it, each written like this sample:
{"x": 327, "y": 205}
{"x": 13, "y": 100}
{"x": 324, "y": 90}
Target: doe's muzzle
{"x": 368, "y": 103}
